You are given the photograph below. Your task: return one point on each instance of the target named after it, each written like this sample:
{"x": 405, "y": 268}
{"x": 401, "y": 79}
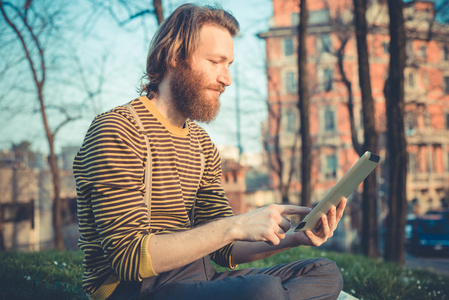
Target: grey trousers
{"x": 304, "y": 279}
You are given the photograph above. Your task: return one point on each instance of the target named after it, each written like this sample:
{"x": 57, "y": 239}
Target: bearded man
{"x": 161, "y": 247}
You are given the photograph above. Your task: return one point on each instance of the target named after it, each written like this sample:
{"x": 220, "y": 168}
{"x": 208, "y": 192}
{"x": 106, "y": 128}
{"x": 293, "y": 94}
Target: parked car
{"x": 427, "y": 234}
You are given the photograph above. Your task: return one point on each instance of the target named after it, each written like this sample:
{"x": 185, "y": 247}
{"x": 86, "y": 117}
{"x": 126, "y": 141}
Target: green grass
{"x": 371, "y": 279}
{"x": 57, "y": 275}
{"x": 41, "y": 275}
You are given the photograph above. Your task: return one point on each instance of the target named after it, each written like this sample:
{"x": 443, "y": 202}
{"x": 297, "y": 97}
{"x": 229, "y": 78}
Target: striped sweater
{"x": 109, "y": 171}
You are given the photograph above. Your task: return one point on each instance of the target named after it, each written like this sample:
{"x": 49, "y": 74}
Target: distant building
{"x": 426, "y": 94}
{"x": 234, "y": 184}
{"x": 26, "y": 193}
{"x": 67, "y": 156}
{"x": 246, "y": 184}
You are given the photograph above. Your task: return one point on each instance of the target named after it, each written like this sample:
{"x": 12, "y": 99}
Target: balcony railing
{"x": 428, "y": 180}
{"x": 427, "y": 136}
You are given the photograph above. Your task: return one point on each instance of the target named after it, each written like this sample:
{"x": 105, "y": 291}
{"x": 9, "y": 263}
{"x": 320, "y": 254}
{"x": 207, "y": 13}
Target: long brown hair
{"x": 178, "y": 37}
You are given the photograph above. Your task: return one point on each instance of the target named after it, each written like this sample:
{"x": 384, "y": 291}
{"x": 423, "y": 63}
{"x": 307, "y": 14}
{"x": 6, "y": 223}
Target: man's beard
{"x": 189, "y": 95}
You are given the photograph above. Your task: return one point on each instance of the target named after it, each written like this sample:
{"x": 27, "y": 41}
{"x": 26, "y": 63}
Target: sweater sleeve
{"x": 109, "y": 169}
{"x": 212, "y": 203}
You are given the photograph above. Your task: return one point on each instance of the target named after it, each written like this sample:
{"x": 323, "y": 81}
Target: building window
{"x": 411, "y": 80}
{"x": 328, "y": 78}
{"x": 418, "y": 161}
{"x": 295, "y": 18}
{"x": 409, "y": 122}
{"x": 412, "y": 163}
{"x": 425, "y": 78}
{"x": 288, "y": 47}
{"x": 447, "y": 121}
{"x": 446, "y": 52}
{"x": 326, "y": 43}
{"x": 427, "y": 118}
{"x": 331, "y": 167}
{"x": 290, "y": 120}
{"x": 386, "y": 47}
{"x": 423, "y": 51}
{"x": 319, "y": 17}
{"x": 446, "y": 85}
{"x": 329, "y": 120}
{"x": 290, "y": 82}
{"x": 429, "y": 161}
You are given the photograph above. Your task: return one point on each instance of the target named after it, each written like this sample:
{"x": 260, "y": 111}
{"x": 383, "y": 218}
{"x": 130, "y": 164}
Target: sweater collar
{"x": 171, "y": 128}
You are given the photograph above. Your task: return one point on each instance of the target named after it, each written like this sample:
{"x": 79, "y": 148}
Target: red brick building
{"x": 426, "y": 95}
{"x": 234, "y": 184}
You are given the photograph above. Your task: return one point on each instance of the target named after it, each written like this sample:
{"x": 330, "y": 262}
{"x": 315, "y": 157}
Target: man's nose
{"x": 225, "y": 77}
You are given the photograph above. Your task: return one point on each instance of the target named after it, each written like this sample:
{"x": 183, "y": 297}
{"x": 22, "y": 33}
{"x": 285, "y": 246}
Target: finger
{"x": 318, "y": 225}
{"x": 287, "y": 209}
{"x": 332, "y": 217}
{"x": 274, "y": 239}
{"x": 314, "y": 240}
{"x": 282, "y": 228}
{"x": 341, "y": 208}
{"x": 280, "y": 234}
{"x": 325, "y": 227}
{"x": 285, "y": 224}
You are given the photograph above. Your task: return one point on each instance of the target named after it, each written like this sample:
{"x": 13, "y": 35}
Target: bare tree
{"x": 20, "y": 20}
{"x": 306, "y": 142}
{"x": 369, "y": 202}
{"x": 277, "y": 164}
{"x": 396, "y": 143}
{"x": 158, "y": 11}
{"x": 344, "y": 32}
{"x": 124, "y": 12}
{"x": 35, "y": 30}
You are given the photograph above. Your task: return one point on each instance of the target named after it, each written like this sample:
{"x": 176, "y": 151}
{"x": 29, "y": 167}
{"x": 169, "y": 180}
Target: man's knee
{"x": 330, "y": 272}
{"x": 316, "y": 276}
{"x": 265, "y": 287}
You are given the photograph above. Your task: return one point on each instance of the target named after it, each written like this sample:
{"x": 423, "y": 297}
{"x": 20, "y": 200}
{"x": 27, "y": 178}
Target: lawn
{"x": 57, "y": 275}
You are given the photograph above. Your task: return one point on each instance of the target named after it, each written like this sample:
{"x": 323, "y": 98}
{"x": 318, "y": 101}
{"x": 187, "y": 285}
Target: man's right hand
{"x": 266, "y": 224}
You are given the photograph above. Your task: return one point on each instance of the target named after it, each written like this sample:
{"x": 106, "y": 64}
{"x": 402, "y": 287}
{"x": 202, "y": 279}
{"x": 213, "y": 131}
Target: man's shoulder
{"x": 117, "y": 117}
{"x": 122, "y": 112}
{"x": 119, "y": 110}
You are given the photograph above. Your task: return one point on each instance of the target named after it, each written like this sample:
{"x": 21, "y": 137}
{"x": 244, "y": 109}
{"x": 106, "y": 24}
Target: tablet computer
{"x": 344, "y": 187}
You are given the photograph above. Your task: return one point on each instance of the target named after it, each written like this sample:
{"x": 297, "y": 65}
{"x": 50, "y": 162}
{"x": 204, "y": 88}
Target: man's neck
{"x": 164, "y": 104}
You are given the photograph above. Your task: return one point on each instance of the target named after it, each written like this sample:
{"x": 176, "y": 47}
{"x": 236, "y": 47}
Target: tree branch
{"x": 21, "y": 39}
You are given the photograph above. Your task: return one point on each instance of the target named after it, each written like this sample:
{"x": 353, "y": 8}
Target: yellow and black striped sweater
{"x": 109, "y": 171}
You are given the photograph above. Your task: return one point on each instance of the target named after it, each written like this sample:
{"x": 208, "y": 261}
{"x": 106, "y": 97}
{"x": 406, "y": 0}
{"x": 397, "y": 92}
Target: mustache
{"x": 217, "y": 87}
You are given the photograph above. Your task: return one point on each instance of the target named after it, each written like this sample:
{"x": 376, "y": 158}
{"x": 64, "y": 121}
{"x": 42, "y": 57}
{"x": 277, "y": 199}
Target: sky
{"x": 126, "y": 50}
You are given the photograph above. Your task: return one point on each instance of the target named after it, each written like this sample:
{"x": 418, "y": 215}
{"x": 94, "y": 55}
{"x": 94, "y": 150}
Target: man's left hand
{"x": 324, "y": 229}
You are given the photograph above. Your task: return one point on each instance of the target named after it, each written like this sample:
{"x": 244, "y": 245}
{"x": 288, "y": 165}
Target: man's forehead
{"x": 216, "y": 40}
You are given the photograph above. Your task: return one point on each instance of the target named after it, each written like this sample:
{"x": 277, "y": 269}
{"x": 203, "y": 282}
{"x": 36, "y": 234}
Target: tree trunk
{"x": 38, "y": 70}
{"x": 396, "y": 143}
{"x": 306, "y": 143}
{"x": 158, "y": 11}
{"x": 58, "y": 239}
{"x": 277, "y": 164}
{"x": 369, "y": 202}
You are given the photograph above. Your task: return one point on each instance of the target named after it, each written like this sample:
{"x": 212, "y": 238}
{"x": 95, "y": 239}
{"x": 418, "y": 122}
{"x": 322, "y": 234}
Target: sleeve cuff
{"x": 146, "y": 267}
{"x": 231, "y": 266}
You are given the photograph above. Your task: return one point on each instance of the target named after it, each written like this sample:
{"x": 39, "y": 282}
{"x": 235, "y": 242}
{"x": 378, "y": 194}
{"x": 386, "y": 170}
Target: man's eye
{"x": 214, "y": 62}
